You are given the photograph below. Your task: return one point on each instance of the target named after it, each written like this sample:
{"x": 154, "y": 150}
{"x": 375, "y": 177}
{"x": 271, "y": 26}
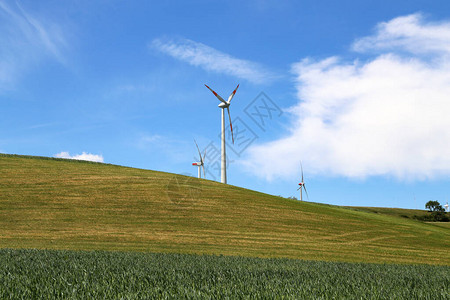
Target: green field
{"x": 395, "y": 212}
{"x": 418, "y": 214}
{"x": 63, "y": 204}
{"x": 32, "y": 274}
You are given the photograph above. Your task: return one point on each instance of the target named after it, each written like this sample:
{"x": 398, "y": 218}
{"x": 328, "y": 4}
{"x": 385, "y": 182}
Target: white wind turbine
{"x": 224, "y": 104}
{"x": 302, "y": 186}
{"x": 200, "y": 164}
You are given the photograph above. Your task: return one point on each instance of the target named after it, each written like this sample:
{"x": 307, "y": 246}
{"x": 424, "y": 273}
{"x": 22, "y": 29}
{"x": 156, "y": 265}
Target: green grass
{"x": 33, "y": 274}
{"x": 63, "y": 204}
{"x": 396, "y": 212}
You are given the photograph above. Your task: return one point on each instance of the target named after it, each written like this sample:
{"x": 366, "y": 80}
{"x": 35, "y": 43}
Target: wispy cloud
{"x": 384, "y": 117}
{"x": 146, "y": 140}
{"x": 210, "y": 59}
{"x": 43, "y": 125}
{"x": 82, "y": 156}
{"x": 26, "y": 39}
{"x": 409, "y": 33}
{"x": 170, "y": 148}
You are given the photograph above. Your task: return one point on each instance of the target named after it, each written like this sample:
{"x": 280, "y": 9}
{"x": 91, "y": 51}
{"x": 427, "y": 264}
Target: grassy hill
{"x": 396, "y": 212}
{"x": 417, "y": 214}
{"x": 64, "y": 204}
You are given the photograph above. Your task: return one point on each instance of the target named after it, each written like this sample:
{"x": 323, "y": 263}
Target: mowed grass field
{"x": 396, "y": 212}
{"x": 63, "y": 204}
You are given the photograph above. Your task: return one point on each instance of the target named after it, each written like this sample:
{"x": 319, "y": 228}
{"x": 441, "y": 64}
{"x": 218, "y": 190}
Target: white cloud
{"x": 210, "y": 59}
{"x": 388, "y": 116}
{"x": 410, "y": 33}
{"x": 82, "y": 156}
{"x": 25, "y": 39}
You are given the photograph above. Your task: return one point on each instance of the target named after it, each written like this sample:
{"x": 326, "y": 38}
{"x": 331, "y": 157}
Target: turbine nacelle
{"x": 223, "y": 105}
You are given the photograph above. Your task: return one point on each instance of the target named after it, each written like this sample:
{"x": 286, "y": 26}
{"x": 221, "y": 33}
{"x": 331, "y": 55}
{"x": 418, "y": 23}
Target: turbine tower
{"x": 446, "y": 207}
{"x": 224, "y": 104}
{"x": 302, "y": 186}
{"x": 200, "y": 164}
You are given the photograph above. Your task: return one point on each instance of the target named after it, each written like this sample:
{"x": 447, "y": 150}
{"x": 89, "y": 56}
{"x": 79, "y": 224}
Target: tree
{"x": 438, "y": 213}
{"x": 434, "y": 206}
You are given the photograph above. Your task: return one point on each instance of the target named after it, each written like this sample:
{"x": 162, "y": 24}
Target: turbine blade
{"x": 231, "y": 126}
{"x": 301, "y": 166}
{"x": 232, "y": 94}
{"x": 217, "y": 95}
{"x": 306, "y": 191}
{"x": 204, "y": 155}
{"x": 198, "y": 149}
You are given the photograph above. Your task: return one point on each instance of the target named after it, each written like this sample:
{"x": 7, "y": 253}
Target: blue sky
{"x": 355, "y": 90}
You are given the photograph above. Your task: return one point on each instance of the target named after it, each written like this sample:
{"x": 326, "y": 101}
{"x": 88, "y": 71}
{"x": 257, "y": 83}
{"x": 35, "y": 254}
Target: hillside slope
{"x": 64, "y": 204}
{"x": 417, "y": 214}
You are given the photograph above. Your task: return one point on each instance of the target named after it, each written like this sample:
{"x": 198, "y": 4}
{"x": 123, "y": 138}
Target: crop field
{"x": 35, "y": 274}
{"x": 73, "y": 205}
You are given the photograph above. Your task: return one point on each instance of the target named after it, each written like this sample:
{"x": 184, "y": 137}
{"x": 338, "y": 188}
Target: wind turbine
{"x": 224, "y": 104}
{"x": 302, "y": 186}
{"x": 200, "y": 164}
